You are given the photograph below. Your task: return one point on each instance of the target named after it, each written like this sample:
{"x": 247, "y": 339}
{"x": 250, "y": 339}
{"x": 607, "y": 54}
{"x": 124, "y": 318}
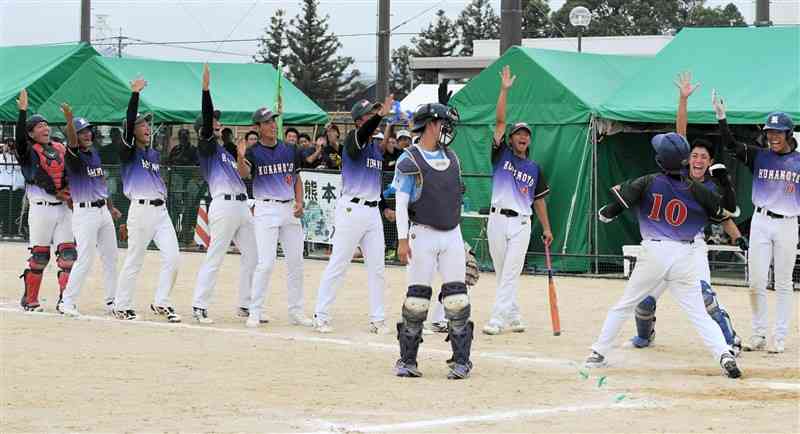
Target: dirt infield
{"x": 97, "y": 374}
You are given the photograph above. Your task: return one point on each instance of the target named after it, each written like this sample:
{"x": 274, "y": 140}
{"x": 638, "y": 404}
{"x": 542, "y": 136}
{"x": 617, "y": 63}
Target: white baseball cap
{"x": 378, "y": 135}
{"x": 403, "y": 133}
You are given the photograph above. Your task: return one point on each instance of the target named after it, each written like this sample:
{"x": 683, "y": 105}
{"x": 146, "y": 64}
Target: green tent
{"x": 41, "y": 69}
{"x": 557, "y": 93}
{"x": 100, "y": 91}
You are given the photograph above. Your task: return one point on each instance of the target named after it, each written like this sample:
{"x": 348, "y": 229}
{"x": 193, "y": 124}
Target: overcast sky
{"x": 24, "y": 22}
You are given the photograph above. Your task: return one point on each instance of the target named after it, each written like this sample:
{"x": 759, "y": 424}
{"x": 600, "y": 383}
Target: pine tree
{"x": 477, "y": 21}
{"x": 440, "y": 39}
{"x": 312, "y": 62}
{"x": 272, "y": 46}
{"x": 400, "y": 77}
{"x": 535, "y": 19}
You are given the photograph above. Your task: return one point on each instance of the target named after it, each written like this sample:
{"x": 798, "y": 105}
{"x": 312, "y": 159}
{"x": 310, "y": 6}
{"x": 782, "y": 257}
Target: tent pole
{"x": 593, "y": 219}
{"x": 574, "y": 200}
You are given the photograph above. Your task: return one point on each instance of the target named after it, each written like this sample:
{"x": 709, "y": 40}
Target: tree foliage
{"x": 477, "y": 21}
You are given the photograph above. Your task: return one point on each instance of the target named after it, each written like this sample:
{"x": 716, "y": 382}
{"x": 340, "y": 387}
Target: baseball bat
{"x": 551, "y": 290}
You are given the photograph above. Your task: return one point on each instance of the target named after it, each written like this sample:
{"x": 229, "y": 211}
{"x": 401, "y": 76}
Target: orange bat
{"x": 551, "y": 289}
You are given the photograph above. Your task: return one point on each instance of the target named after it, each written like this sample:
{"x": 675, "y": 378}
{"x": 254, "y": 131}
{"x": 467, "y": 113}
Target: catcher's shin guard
{"x": 460, "y": 328}
{"x": 719, "y": 315}
{"x": 409, "y": 331}
{"x": 32, "y": 276}
{"x": 645, "y": 322}
{"x": 66, "y": 255}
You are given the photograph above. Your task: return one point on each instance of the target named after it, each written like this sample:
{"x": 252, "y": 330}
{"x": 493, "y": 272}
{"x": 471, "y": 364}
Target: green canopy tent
{"x": 100, "y": 91}
{"x": 756, "y": 70}
{"x": 41, "y": 69}
{"x": 556, "y": 93}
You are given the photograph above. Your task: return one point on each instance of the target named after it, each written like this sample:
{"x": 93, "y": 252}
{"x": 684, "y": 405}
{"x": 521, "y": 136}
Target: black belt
{"x": 277, "y": 200}
{"x": 96, "y": 204}
{"x": 506, "y": 212}
{"x": 772, "y": 214}
{"x": 42, "y": 202}
{"x": 371, "y": 204}
{"x": 241, "y": 197}
{"x": 676, "y": 241}
{"x": 154, "y": 202}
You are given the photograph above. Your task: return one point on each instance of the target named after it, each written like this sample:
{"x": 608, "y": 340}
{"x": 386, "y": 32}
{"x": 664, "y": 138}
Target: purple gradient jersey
{"x": 516, "y": 182}
{"x": 274, "y": 170}
{"x": 361, "y": 177}
{"x": 140, "y": 175}
{"x": 85, "y": 173}
{"x": 669, "y": 211}
{"x": 776, "y": 182}
{"x": 221, "y": 173}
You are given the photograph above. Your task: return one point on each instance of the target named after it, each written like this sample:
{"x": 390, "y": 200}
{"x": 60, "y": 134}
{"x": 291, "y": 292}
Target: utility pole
{"x": 384, "y": 32}
{"x": 510, "y": 24}
{"x": 119, "y": 43}
{"x": 762, "y": 13}
{"x": 86, "y": 18}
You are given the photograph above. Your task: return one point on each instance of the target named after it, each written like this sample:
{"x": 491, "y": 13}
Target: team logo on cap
{"x": 773, "y": 120}
{"x": 364, "y": 103}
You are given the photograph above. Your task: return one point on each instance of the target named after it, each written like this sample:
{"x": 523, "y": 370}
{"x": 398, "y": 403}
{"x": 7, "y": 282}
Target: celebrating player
{"x": 49, "y": 218}
{"x": 358, "y": 221}
{"x": 278, "y": 191}
{"x": 429, "y": 190}
{"x": 518, "y": 188}
{"x": 148, "y": 219}
{"x": 671, "y": 209}
{"x": 93, "y": 214}
{"x": 229, "y": 216}
{"x": 714, "y": 177}
{"x": 773, "y": 230}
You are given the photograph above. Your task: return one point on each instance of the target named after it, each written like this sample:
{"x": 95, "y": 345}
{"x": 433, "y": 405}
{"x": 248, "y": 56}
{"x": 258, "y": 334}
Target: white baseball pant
{"x": 49, "y": 224}
{"x": 663, "y": 261}
{"x": 275, "y": 222}
{"x": 148, "y": 223}
{"x": 772, "y": 239}
{"x": 508, "y": 243}
{"x": 354, "y": 225}
{"x": 228, "y": 220}
{"x": 434, "y": 250}
{"x": 94, "y": 230}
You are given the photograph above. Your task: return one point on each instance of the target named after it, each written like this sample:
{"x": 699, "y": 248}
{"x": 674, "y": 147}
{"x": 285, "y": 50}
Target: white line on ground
{"x": 304, "y": 338}
{"x": 776, "y": 386}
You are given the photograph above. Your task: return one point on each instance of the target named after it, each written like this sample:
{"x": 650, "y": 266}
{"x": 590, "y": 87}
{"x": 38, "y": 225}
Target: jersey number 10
{"x": 675, "y": 212}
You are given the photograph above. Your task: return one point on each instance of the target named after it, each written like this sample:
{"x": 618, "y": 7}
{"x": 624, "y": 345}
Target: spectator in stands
{"x": 251, "y": 138}
{"x": 332, "y": 152}
{"x": 184, "y": 153}
{"x": 312, "y": 156}
{"x": 290, "y": 136}
{"x": 304, "y": 140}
{"x": 228, "y": 140}
{"x": 12, "y": 189}
{"x": 109, "y": 154}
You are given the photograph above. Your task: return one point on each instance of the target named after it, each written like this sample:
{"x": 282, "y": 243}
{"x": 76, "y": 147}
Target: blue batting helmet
{"x": 779, "y": 121}
{"x": 80, "y": 124}
{"x": 672, "y": 151}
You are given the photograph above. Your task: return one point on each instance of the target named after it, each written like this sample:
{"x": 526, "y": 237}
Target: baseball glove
{"x": 473, "y": 273}
{"x": 123, "y": 232}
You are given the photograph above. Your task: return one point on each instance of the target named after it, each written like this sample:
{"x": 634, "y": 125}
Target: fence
{"x": 187, "y": 189}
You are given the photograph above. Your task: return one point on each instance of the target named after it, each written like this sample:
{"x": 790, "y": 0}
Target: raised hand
{"x": 67, "y": 110}
{"x": 386, "y": 107}
{"x": 718, "y": 104}
{"x": 684, "y": 84}
{"x": 138, "y": 84}
{"x": 206, "y": 77}
{"x": 506, "y": 79}
{"x": 241, "y": 147}
{"x": 22, "y": 101}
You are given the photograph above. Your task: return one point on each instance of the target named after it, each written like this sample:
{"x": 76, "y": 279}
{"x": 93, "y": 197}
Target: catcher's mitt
{"x": 473, "y": 273}
{"x": 123, "y": 232}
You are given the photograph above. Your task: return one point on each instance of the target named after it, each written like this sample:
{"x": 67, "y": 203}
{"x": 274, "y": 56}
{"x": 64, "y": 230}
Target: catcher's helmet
{"x": 431, "y": 112}
{"x": 672, "y": 151}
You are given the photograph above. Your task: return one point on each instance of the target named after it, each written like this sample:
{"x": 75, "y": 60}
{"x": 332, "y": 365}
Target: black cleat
{"x": 728, "y": 363}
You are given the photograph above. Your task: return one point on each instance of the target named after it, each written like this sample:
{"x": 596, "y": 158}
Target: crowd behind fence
{"x": 187, "y": 190}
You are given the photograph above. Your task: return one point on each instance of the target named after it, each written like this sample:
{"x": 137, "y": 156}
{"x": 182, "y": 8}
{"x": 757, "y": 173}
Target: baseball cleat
{"x": 595, "y": 360}
{"x": 109, "y": 307}
{"x": 403, "y": 369}
{"x": 439, "y": 326}
{"x": 736, "y": 347}
{"x": 778, "y": 346}
{"x": 201, "y": 315}
{"x": 298, "y": 319}
{"x": 322, "y": 326}
{"x": 167, "y": 311}
{"x": 459, "y": 371}
{"x": 516, "y": 326}
{"x": 492, "y": 329}
{"x": 70, "y": 311}
{"x": 33, "y": 308}
{"x": 243, "y": 312}
{"x": 125, "y": 315}
{"x": 59, "y": 306}
{"x": 252, "y": 322}
{"x": 378, "y": 328}
{"x": 728, "y": 363}
{"x": 757, "y": 343}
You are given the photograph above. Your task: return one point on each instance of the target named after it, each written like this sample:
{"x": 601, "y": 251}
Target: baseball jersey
{"x": 217, "y": 164}
{"x": 29, "y": 163}
{"x": 361, "y": 169}
{"x": 274, "y": 170}
{"x": 86, "y": 178}
{"x": 141, "y": 177}
{"x": 516, "y": 182}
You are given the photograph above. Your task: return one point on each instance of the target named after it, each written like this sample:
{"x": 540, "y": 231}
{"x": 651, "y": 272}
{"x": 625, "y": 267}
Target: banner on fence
{"x": 320, "y": 192}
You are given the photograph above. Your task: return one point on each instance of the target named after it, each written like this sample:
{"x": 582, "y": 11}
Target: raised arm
{"x": 685, "y": 90}
{"x": 744, "y": 153}
{"x": 22, "y": 130}
{"x": 241, "y": 159}
{"x": 506, "y": 80}
{"x": 72, "y": 135}
{"x": 206, "y": 140}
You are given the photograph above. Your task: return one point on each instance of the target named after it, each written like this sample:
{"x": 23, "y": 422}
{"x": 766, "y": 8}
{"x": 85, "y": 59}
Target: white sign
{"x": 320, "y": 193}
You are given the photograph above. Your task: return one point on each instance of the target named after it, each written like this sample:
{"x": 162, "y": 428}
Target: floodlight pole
{"x": 580, "y": 34}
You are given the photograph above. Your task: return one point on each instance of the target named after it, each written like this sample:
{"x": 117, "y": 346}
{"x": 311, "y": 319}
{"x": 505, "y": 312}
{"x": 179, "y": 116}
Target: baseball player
{"x": 229, "y": 216}
{"x": 93, "y": 214}
{"x": 278, "y": 191}
{"x": 429, "y": 190}
{"x": 671, "y": 209}
{"x": 358, "y": 220}
{"x": 518, "y": 189}
{"x": 148, "y": 219}
{"x": 714, "y": 177}
{"x": 773, "y": 230}
{"x": 49, "y": 217}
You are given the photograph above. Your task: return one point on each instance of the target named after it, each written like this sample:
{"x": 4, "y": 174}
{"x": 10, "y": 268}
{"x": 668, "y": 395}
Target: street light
{"x": 580, "y": 17}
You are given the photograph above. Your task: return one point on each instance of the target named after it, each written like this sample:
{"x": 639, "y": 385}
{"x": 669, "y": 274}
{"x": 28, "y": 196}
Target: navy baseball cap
{"x": 779, "y": 121}
{"x": 33, "y": 121}
{"x": 80, "y": 124}
{"x": 361, "y": 108}
{"x": 263, "y": 114}
{"x": 520, "y": 126}
{"x": 147, "y": 117}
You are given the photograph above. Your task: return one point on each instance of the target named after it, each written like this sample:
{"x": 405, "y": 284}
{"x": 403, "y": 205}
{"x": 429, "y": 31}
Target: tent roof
{"x": 41, "y": 69}
{"x": 755, "y": 69}
{"x": 423, "y": 94}
{"x": 100, "y": 91}
{"x": 552, "y": 87}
